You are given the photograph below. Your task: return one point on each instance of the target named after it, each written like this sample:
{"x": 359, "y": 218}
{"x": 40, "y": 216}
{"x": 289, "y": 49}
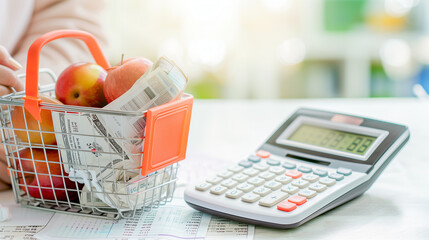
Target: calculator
{"x": 315, "y": 161}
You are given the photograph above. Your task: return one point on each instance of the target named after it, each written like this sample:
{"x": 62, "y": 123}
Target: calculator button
{"x": 256, "y": 181}
{"x": 267, "y": 175}
{"x": 235, "y": 169}
{"x": 307, "y": 193}
{"x": 229, "y": 183}
{"x": 203, "y": 186}
{"x": 336, "y": 176}
{"x": 262, "y": 191}
{"x": 290, "y": 189}
{"x": 254, "y": 158}
{"x": 304, "y": 169}
{"x": 311, "y": 178}
{"x": 245, "y": 164}
{"x": 261, "y": 166}
{"x": 263, "y": 154}
{"x": 327, "y": 181}
{"x": 251, "y": 172}
{"x": 300, "y": 183}
{"x": 240, "y": 177}
{"x": 283, "y": 179}
{"x": 298, "y": 200}
{"x": 320, "y": 172}
{"x": 214, "y": 180}
{"x": 294, "y": 174}
{"x": 318, "y": 187}
{"x": 273, "y": 185}
{"x": 218, "y": 190}
{"x": 245, "y": 187}
{"x": 273, "y": 162}
{"x": 289, "y": 165}
{"x": 286, "y": 206}
{"x": 277, "y": 170}
{"x": 225, "y": 174}
{"x": 250, "y": 197}
{"x": 233, "y": 193}
{"x": 344, "y": 171}
{"x": 273, "y": 199}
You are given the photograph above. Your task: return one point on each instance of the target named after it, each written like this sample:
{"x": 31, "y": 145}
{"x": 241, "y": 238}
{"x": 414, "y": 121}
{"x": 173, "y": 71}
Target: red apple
{"x": 81, "y": 84}
{"x": 45, "y": 177}
{"x": 35, "y": 137}
{"x": 122, "y": 77}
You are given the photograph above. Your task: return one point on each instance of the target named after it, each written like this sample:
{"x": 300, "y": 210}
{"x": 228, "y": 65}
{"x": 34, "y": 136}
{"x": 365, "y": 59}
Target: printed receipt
{"x": 173, "y": 221}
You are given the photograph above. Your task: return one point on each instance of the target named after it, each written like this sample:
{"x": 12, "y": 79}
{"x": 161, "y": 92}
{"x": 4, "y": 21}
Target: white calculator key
{"x": 307, "y": 193}
{"x": 290, "y": 189}
{"x": 283, "y": 179}
{"x": 203, "y": 186}
{"x": 267, "y": 175}
{"x": 218, "y": 190}
{"x": 300, "y": 183}
{"x": 250, "y": 197}
{"x": 261, "y": 166}
{"x": 277, "y": 170}
{"x": 229, "y": 183}
{"x": 240, "y": 177}
{"x": 214, "y": 180}
{"x": 257, "y": 181}
{"x": 236, "y": 168}
{"x": 273, "y": 199}
{"x": 225, "y": 174}
{"x": 262, "y": 191}
{"x": 245, "y": 187}
{"x": 233, "y": 193}
{"x": 273, "y": 185}
{"x": 251, "y": 172}
{"x": 327, "y": 181}
{"x": 318, "y": 187}
{"x": 311, "y": 178}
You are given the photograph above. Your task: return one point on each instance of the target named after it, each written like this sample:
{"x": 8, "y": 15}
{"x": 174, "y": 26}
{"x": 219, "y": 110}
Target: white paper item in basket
{"x": 83, "y": 142}
{"x": 91, "y": 141}
{"x": 126, "y": 194}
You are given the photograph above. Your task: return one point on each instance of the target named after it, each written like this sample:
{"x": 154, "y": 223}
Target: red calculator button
{"x": 263, "y": 154}
{"x": 294, "y": 174}
{"x": 298, "y": 200}
{"x": 286, "y": 206}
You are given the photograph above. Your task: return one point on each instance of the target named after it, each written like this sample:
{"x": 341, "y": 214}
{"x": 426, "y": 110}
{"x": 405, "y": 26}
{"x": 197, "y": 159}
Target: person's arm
{"x": 52, "y": 15}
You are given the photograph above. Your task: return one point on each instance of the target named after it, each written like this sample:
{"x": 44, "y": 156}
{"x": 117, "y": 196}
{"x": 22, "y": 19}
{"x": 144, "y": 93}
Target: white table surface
{"x": 395, "y": 207}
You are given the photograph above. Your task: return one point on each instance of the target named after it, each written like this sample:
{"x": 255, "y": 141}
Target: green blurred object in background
{"x": 343, "y": 15}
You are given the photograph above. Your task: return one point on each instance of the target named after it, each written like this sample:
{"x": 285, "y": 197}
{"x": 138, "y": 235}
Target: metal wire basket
{"x": 84, "y": 176}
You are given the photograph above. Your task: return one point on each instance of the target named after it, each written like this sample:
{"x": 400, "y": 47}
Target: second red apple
{"x": 122, "y": 77}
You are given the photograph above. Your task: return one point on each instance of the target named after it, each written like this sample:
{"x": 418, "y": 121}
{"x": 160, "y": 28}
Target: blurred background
{"x": 280, "y": 48}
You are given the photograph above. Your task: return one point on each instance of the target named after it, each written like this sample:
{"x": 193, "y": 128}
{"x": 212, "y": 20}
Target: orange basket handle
{"x": 31, "y": 99}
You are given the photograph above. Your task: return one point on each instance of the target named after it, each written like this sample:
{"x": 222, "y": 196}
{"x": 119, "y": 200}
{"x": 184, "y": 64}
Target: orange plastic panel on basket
{"x": 166, "y": 138}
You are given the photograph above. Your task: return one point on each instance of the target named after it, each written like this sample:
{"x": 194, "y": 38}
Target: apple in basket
{"x": 122, "y": 77}
{"x": 81, "y": 84}
{"x": 29, "y": 122}
{"x": 45, "y": 177}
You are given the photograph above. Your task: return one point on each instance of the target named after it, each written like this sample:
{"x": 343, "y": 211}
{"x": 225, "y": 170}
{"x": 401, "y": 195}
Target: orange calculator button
{"x": 286, "y": 206}
{"x": 298, "y": 200}
{"x": 294, "y": 174}
{"x": 263, "y": 154}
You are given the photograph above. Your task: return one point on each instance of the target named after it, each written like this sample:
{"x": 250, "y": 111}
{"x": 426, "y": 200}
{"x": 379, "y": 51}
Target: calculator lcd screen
{"x": 341, "y": 139}
{"x": 333, "y": 139}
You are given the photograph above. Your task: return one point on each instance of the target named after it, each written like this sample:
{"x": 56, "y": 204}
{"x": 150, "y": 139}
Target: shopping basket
{"x": 42, "y": 173}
